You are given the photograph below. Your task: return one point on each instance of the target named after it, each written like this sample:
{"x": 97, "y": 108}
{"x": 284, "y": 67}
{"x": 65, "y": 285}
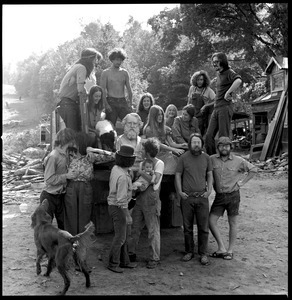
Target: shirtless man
{"x": 114, "y": 80}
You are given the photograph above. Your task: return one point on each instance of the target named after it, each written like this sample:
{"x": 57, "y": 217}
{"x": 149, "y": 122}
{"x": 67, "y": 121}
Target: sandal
{"x": 228, "y": 256}
{"x": 218, "y": 255}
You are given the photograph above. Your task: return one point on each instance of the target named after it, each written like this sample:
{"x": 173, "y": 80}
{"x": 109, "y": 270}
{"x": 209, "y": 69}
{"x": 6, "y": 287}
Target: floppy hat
{"x": 126, "y": 151}
{"x": 224, "y": 140}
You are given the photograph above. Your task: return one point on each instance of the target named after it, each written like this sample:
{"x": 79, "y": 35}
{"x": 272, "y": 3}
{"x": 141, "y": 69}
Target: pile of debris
{"x": 20, "y": 173}
{"x": 274, "y": 164}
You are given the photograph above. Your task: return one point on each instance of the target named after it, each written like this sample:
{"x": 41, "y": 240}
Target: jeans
{"x": 196, "y": 207}
{"x": 119, "y": 108}
{"x": 77, "y": 206}
{"x": 220, "y": 122}
{"x": 69, "y": 111}
{"x": 119, "y": 251}
{"x": 56, "y": 207}
{"x": 146, "y": 212}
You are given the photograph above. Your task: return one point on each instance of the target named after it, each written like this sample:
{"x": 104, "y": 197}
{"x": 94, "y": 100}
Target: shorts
{"x": 226, "y": 201}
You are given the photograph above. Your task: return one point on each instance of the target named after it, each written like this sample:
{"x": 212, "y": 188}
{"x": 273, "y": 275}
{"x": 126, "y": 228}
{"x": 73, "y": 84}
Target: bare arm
{"x": 248, "y": 177}
{"x": 209, "y": 184}
{"x": 129, "y": 89}
{"x": 235, "y": 85}
{"x": 103, "y": 81}
{"x": 179, "y": 187}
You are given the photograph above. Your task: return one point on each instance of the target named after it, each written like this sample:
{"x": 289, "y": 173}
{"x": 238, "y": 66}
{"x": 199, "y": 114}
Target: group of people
{"x": 154, "y": 143}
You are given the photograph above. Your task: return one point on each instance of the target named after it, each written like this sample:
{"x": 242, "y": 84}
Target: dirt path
{"x": 260, "y": 264}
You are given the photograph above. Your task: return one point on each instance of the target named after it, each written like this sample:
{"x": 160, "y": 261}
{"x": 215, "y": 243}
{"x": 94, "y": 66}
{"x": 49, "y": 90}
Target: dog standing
{"x": 60, "y": 245}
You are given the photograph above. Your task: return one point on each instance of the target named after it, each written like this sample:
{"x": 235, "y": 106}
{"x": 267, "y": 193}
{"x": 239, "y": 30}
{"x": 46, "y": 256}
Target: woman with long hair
{"x": 170, "y": 114}
{"x": 202, "y": 97}
{"x": 145, "y": 102}
{"x": 169, "y": 150}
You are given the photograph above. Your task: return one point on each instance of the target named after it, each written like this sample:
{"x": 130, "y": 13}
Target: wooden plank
{"x": 275, "y": 148}
{"x": 278, "y": 129}
{"x": 84, "y": 116}
{"x": 272, "y": 127}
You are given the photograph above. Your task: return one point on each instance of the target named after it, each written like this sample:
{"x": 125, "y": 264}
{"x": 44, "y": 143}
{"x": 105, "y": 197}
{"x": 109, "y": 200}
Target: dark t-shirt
{"x": 224, "y": 82}
{"x": 194, "y": 171}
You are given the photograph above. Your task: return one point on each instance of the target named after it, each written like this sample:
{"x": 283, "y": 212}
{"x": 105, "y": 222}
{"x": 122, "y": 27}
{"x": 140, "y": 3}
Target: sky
{"x": 28, "y": 29}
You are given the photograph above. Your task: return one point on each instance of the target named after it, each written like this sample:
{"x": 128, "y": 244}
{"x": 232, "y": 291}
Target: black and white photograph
{"x": 145, "y": 149}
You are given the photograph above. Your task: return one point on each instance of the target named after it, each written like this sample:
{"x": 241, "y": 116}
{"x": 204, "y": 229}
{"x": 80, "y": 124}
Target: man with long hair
{"x": 227, "y": 82}
{"x": 72, "y": 89}
{"x": 194, "y": 180}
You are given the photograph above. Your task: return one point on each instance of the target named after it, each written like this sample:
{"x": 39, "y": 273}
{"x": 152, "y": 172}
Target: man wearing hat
{"x": 228, "y": 174}
{"x": 120, "y": 194}
{"x": 72, "y": 89}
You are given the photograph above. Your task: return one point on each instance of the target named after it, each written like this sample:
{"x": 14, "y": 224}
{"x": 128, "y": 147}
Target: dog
{"x": 60, "y": 246}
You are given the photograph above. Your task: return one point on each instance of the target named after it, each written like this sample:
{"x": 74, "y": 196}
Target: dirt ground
{"x": 259, "y": 266}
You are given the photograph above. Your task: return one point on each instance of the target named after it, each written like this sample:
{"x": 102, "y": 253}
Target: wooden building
{"x": 270, "y": 113}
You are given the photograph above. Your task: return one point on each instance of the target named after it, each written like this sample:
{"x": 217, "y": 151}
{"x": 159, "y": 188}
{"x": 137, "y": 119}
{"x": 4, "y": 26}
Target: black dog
{"x": 60, "y": 245}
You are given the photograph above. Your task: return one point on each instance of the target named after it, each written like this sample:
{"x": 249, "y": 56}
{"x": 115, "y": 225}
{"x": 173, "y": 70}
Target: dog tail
{"x": 85, "y": 235}
{"x": 84, "y": 240}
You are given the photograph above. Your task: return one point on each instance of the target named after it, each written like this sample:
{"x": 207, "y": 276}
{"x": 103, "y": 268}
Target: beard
{"x": 196, "y": 151}
{"x": 131, "y": 133}
{"x": 224, "y": 153}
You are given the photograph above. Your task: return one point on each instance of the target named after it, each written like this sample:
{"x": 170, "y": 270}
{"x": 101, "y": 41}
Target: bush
{"x": 17, "y": 142}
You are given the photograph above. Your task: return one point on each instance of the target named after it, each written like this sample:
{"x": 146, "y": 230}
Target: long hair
{"x": 64, "y": 136}
{"x": 92, "y": 91}
{"x": 157, "y": 129}
{"x": 168, "y": 108}
{"x": 140, "y": 106}
{"x": 117, "y": 53}
{"x": 195, "y": 135}
{"x": 84, "y": 140}
{"x": 190, "y": 109}
{"x": 195, "y": 76}
{"x": 88, "y": 57}
{"x": 222, "y": 58}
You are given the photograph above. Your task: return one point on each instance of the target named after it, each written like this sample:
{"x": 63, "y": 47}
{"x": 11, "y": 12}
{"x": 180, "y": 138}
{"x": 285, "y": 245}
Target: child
{"x": 148, "y": 168}
{"x": 56, "y": 174}
{"x": 79, "y": 198}
{"x": 120, "y": 194}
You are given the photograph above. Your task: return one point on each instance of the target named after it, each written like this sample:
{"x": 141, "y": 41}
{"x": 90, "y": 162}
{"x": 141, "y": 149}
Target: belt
{"x": 65, "y": 100}
{"x": 196, "y": 194}
{"x": 230, "y": 193}
{"x": 116, "y": 99}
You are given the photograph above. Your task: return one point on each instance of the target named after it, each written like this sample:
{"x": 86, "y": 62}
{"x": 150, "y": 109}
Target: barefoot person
{"x": 114, "y": 80}
{"x": 228, "y": 170}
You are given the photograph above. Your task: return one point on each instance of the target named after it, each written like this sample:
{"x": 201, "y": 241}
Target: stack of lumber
{"x": 19, "y": 172}
{"x": 274, "y": 164}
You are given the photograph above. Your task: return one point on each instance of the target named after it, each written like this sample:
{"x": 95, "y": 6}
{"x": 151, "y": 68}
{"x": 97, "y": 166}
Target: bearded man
{"x": 132, "y": 124}
{"x": 230, "y": 172}
{"x": 194, "y": 180}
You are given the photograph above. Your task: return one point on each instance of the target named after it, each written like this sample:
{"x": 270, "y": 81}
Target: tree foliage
{"x": 161, "y": 61}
